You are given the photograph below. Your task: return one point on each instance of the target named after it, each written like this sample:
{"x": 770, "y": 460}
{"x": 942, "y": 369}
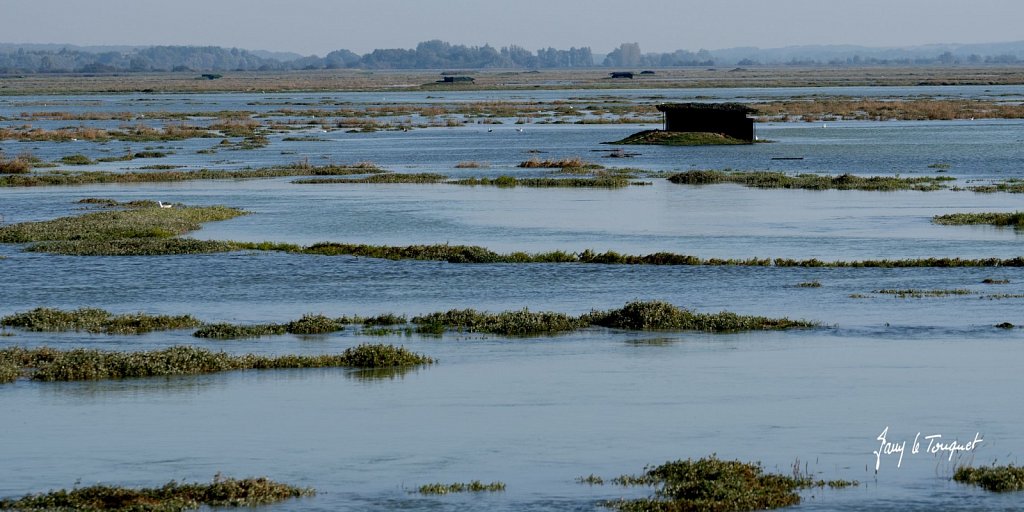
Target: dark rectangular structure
{"x": 729, "y": 119}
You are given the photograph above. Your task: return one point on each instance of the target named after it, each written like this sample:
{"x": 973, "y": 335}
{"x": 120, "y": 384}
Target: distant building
{"x": 456, "y": 79}
{"x": 622, "y": 74}
{"x": 729, "y": 119}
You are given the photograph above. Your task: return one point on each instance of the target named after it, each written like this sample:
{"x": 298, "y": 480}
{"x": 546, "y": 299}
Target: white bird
{"x": 520, "y": 130}
{"x": 162, "y": 205}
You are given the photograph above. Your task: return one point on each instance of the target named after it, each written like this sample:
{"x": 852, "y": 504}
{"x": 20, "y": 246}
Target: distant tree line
{"x": 442, "y": 55}
{"x": 427, "y": 55}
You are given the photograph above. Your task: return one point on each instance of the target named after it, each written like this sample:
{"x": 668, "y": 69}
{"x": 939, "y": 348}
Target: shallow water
{"x": 538, "y": 412}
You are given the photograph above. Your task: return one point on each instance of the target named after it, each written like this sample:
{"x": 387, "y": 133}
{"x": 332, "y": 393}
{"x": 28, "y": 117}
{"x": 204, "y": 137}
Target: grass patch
{"x": 658, "y": 315}
{"x": 712, "y": 484}
{"x": 509, "y": 182}
{"x": 1012, "y": 185}
{"x": 77, "y": 159}
{"x": 772, "y": 179}
{"x": 664, "y": 138}
{"x": 226, "y": 331}
{"x": 507, "y": 323}
{"x": 139, "y": 222}
{"x": 222, "y": 492}
{"x": 810, "y": 284}
{"x": 314, "y": 324}
{"x": 47, "y": 364}
{"x": 1014, "y": 219}
{"x": 96, "y": 321}
{"x": 992, "y": 478}
{"x": 918, "y": 294}
{"x": 572, "y": 163}
{"x": 470, "y": 164}
{"x": 474, "y": 486}
{"x": 989, "y": 280}
{"x": 60, "y": 178}
{"x": 425, "y": 177}
{"x": 16, "y": 165}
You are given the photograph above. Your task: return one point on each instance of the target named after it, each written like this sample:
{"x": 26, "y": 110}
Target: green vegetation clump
{"x": 507, "y": 323}
{"x": 917, "y": 294}
{"x": 76, "y": 159}
{"x": 664, "y": 138}
{"x": 474, "y": 486}
{"x": 570, "y": 163}
{"x": 1014, "y": 219}
{"x": 16, "y": 165}
{"x": 509, "y": 181}
{"x": 1012, "y": 185}
{"x": 134, "y": 247}
{"x": 712, "y": 484}
{"x": 659, "y": 315}
{"x": 96, "y": 321}
{"x": 140, "y": 222}
{"x": 225, "y": 331}
{"x": 47, "y": 364}
{"x": 173, "y": 496}
{"x": 810, "y": 284}
{"x": 992, "y": 478}
{"x": 101, "y": 177}
{"x": 772, "y": 179}
{"x": 314, "y": 324}
{"x": 425, "y": 177}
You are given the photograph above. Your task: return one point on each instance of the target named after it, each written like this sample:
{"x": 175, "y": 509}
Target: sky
{"x": 319, "y": 26}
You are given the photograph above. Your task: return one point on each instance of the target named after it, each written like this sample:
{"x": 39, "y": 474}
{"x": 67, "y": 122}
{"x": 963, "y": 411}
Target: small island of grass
{"x": 666, "y": 138}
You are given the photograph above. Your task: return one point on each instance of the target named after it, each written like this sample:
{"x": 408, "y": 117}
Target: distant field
{"x": 358, "y": 80}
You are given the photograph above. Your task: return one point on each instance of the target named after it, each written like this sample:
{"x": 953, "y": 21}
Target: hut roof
{"x": 707, "y": 107}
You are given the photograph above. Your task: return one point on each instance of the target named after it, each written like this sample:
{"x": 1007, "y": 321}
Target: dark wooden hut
{"x": 621, "y": 74}
{"x": 729, "y": 119}
{"x": 458, "y": 79}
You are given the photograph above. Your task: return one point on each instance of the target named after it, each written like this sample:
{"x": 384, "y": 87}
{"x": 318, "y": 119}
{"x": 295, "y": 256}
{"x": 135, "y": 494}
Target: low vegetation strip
{"x": 992, "y": 478}
{"x": 473, "y": 486}
{"x": 663, "y": 138}
{"x": 510, "y": 181}
{"x": 772, "y": 179}
{"x": 96, "y": 321}
{"x": 54, "y": 178}
{"x": 1012, "y": 219}
{"x": 48, "y": 364}
{"x": 143, "y": 221}
{"x": 426, "y": 177}
{"x": 222, "y": 492}
{"x": 712, "y": 484}
{"x": 658, "y": 315}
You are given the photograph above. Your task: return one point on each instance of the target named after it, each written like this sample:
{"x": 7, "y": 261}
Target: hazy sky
{"x": 319, "y": 26}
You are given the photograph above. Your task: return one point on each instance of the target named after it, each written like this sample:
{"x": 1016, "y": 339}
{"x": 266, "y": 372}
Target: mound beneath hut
{"x": 664, "y": 138}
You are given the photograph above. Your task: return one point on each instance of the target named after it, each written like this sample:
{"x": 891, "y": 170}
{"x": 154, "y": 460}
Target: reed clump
{"x": 226, "y": 331}
{"x": 510, "y": 181}
{"x": 314, "y": 324}
{"x": 173, "y": 496}
{"x": 574, "y": 162}
{"x": 141, "y": 222}
{"x": 992, "y": 478}
{"x": 426, "y": 177}
{"x": 48, "y": 364}
{"x": 96, "y": 321}
{"x": 713, "y": 484}
{"x": 60, "y": 178}
{"x": 507, "y": 323}
{"x": 473, "y": 486}
{"x": 659, "y": 315}
{"x": 913, "y": 293}
{"x": 772, "y": 179}
{"x": 16, "y": 165}
{"x": 1011, "y": 219}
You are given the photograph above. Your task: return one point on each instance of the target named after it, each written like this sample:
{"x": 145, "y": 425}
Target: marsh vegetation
{"x": 49, "y": 364}
{"x": 473, "y": 486}
{"x": 222, "y": 492}
{"x": 713, "y": 484}
{"x": 992, "y": 478}
{"x": 772, "y": 179}
{"x": 96, "y": 321}
{"x": 1009, "y": 219}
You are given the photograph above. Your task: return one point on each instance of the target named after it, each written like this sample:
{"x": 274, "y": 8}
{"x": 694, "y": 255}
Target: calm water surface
{"x": 536, "y": 413}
